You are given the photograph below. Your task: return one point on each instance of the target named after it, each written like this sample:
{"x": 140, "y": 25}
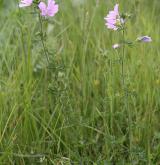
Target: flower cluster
{"x": 115, "y": 21}
{"x": 47, "y": 10}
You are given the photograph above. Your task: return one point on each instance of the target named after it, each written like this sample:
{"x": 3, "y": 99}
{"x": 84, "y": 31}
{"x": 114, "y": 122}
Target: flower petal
{"x": 43, "y": 8}
{"x": 144, "y": 39}
{"x": 25, "y": 3}
{"x": 52, "y": 8}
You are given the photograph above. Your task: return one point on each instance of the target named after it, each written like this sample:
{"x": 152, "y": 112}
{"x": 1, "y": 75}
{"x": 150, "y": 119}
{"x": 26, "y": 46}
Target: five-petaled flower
{"x": 144, "y": 39}
{"x": 48, "y": 10}
{"x": 113, "y": 19}
{"x": 25, "y": 3}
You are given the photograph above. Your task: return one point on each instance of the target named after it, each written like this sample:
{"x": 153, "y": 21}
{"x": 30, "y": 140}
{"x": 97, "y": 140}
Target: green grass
{"x": 72, "y": 111}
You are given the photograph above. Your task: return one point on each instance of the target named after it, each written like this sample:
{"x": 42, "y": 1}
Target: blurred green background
{"x": 72, "y": 110}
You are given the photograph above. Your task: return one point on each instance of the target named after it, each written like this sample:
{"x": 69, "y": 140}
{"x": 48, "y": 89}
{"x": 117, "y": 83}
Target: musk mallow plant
{"x": 44, "y": 11}
{"x": 116, "y": 21}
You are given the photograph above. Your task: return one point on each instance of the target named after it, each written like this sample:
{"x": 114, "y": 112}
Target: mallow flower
{"x": 48, "y": 10}
{"x": 144, "y": 39}
{"x": 25, "y": 3}
{"x": 113, "y": 19}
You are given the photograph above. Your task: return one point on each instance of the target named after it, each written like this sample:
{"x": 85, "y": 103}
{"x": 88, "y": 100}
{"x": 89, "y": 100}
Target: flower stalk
{"x": 117, "y": 22}
{"x": 126, "y": 93}
{"x": 42, "y": 38}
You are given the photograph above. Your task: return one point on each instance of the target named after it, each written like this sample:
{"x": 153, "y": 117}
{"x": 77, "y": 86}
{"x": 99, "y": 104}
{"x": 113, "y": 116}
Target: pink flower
{"x": 48, "y": 10}
{"x": 25, "y": 3}
{"x": 113, "y": 19}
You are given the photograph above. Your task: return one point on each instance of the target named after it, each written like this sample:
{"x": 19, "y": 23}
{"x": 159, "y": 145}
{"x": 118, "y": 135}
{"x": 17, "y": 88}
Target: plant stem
{"x": 42, "y": 39}
{"x": 122, "y": 60}
{"x": 47, "y": 58}
{"x": 126, "y": 103}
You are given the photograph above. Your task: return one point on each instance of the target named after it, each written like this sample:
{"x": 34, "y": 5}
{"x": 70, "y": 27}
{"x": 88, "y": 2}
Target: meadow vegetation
{"x": 71, "y": 110}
